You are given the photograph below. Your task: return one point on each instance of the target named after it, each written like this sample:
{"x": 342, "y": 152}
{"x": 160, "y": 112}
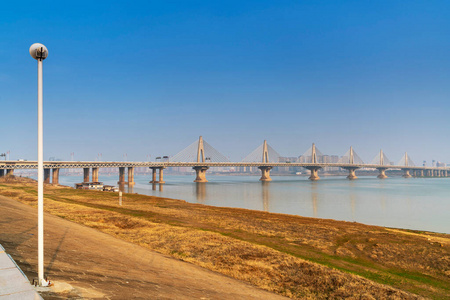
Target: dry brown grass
{"x": 293, "y": 256}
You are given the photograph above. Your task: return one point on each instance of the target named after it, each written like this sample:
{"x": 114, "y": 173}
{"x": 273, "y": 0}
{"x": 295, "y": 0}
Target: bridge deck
{"x": 105, "y": 164}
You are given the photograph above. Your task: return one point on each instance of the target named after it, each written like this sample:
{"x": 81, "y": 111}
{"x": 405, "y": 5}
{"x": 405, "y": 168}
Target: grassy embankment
{"x": 293, "y": 256}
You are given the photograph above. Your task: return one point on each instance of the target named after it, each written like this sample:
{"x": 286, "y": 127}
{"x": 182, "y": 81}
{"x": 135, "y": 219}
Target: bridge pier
{"x": 265, "y": 173}
{"x": 55, "y": 176}
{"x": 201, "y": 174}
{"x": 445, "y": 173}
{"x": 352, "y": 173}
{"x": 314, "y": 173}
{"x": 131, "y": 176}
{"x": 161, "y": 175}
{"x": 9, "y": 172}
{"x": 421, "y": 173}
{"x": 153, "y": 175}
{"x": 85, "y": 174}
{"x": 439, "y": 173}
{"x": 46, "y": 175}
{"x": 406, "y": 174}
{"x": 94, "y": 174}
{"x": 121, "y": 175}
{"x": 382, "y": 174}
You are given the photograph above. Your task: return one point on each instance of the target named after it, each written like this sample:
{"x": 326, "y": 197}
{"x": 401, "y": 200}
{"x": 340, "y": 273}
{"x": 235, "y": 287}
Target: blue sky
{"x": 149, "y": 77}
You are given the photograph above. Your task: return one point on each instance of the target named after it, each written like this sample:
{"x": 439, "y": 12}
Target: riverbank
{"x": 292, "y": 256}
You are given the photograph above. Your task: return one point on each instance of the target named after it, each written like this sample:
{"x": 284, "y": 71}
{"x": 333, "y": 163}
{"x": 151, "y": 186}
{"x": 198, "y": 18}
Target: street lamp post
{"x": 40, "y": 52}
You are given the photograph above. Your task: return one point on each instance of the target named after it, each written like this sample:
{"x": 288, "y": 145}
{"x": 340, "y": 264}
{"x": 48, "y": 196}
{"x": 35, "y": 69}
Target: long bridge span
{"x": 200, "y": 156}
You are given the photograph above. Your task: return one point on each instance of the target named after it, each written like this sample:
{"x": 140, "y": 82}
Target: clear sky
{"x": 148, "y": 77}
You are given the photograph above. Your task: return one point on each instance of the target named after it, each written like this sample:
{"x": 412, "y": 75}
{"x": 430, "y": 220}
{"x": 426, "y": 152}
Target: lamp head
{"x": 38, "y": 51}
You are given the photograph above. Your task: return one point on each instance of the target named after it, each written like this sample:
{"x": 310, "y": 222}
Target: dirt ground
{"x": 87, "y": 264}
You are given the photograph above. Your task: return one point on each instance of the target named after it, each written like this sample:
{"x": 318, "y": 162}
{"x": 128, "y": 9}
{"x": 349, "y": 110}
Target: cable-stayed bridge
{"x": 201, "y": 156}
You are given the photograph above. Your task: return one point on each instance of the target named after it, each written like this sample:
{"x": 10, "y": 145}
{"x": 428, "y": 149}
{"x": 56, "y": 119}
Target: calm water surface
{"x": 413, "y": 203}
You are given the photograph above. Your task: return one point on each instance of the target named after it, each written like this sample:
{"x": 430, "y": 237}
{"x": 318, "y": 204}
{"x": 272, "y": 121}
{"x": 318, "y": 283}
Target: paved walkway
{"x": 89, "y": 264}
{"x": 13, "y": 283}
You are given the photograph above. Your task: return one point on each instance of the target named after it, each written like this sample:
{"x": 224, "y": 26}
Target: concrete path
{"x": 13, "y": 283}
{"x": 85, "y": 263}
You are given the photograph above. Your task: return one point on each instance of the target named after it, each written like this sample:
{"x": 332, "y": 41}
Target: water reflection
{"x": 352, "y": 204}
{"x": 265, "y": 195}
{"x": 383, "y": 202}
{"x": 200, "y": 192}
{"x": 159, "y": 185}
{"x": 314, "y": 196}
{"x": 126, "y": 188}
{"x": 352, "y": 197}
{"x": 382, "y": 196}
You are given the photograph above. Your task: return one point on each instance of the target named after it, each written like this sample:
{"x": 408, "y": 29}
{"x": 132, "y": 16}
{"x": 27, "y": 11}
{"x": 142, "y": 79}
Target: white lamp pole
{"x": 40, "y": 52}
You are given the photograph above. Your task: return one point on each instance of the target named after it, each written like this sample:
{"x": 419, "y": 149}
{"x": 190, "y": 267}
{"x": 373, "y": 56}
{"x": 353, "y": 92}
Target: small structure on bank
{"x": 110, "y": 188}
{"x": 97, "y": 186}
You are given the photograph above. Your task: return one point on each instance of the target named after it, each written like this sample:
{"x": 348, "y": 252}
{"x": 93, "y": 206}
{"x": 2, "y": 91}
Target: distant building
{"x": 440, "y": 164}
{"x": 283, "y": 159}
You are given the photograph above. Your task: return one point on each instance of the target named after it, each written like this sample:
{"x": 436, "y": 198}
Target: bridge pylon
{"x": 382, "y": 170}
{"x": 351, "y": 158}
{"x": 313, "y": 154}
{"x": 265, "y": 170}
{"x": 351, "y": 155}
{"x": 408, "y": 163}
{"x": 314, "y": 169}
{"x": 200, "y": 171}
{"x": 265, "y": 154}
{"x": 200, "y": 150}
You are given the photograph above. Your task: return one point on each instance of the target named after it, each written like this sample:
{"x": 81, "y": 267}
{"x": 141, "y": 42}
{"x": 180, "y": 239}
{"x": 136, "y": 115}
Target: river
{"x": 411, "y": 203}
